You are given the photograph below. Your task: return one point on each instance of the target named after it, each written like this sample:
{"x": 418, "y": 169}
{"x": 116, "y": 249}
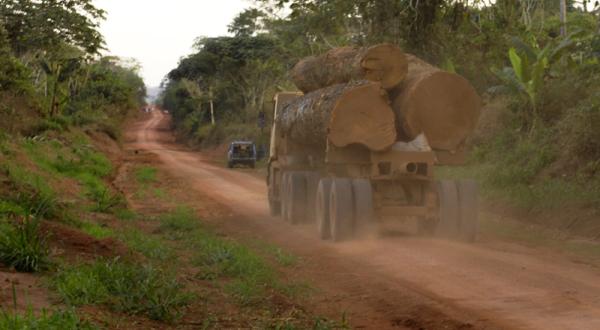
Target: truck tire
{"x": 322, "y": 208}
{"x": 448, "y": 225}
{"x": 296, "y": 198}
{"x": 312, "y": 182}
{"x": 283, "y": 193}
{"x": 341, "y": 210}
{"x": 468, "y": 206}
{"x": 253, "y": 164}
{"x": 363, "y": 206}
{"x": 274, "y": 206}
{"x": 229, "y": 164}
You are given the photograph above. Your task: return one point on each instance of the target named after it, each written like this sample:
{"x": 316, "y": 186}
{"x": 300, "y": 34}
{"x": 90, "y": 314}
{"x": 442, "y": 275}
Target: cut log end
{"x": 363, "y": 116}
{"x": 442, "y": 105}
{"x": 386, "y": 64}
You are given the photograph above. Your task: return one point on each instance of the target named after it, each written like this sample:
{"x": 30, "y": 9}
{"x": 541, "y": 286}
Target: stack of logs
{"x": 375, "y": 97}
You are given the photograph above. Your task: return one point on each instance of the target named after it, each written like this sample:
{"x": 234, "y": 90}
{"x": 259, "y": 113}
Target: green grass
{"x": 149, "y": 246}
{"x": 22, "y": 246}
{"x": 56, "y": 320}
{"x": 145, "y": 175}
{"x": 124, "y": 287}
{"x": 178, "y": 223}
{"x": 97, "y": 231}
{"x": 249, "y": 276}
{"x": 125, "y": 214}
{"x": 32, "y": 191}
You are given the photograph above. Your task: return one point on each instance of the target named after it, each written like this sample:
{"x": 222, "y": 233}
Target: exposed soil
{"x": 394, "y": 281}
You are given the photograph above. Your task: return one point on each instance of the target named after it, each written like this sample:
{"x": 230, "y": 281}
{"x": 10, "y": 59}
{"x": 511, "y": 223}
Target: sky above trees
{"x": 158, "y": 32}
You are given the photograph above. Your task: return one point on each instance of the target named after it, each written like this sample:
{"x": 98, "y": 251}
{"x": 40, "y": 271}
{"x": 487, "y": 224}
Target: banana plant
{"x": 530, "y": 67}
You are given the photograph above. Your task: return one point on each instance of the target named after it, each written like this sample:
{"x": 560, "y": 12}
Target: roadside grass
{"x": 125, "y": 214}
{"x": 31, "y": 191}
{"x": 58, "y": 320}
{"x": 249, "y": 278}
{"x": 145, "y": 175}
{"x": 78, "y": 160}
{"x": 543, "y": 194}
{"x": 149, "y": 246}
{"x": 123, "y": 287}
{"x": 22, "y": 245}
{"x": 539, "y": 237}
{"x": 95, "y": 230}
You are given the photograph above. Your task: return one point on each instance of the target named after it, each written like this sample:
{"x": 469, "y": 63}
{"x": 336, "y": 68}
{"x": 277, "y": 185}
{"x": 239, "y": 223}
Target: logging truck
{"x": 357, "y": 148}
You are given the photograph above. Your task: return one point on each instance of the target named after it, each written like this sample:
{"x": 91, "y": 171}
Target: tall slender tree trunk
{"x": 563, "y": 18}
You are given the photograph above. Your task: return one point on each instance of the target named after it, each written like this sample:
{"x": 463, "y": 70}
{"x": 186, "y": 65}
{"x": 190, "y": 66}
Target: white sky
{"x": 159, "y": 32}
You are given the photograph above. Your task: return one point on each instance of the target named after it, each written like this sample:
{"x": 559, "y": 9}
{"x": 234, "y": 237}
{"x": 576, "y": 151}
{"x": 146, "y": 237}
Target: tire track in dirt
{"x": 397, "y": 282}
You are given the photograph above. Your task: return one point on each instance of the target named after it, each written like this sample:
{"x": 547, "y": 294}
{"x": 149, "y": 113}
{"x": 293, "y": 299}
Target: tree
{"x": 34, "y": 26}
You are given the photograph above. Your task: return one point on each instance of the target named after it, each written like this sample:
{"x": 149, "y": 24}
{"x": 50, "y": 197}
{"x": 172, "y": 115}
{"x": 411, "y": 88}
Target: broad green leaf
{"x": 517, "y": 63}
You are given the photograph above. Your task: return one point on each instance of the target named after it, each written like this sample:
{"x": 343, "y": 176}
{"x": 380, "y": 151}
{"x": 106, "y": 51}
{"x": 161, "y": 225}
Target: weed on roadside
{"x": 147, "y": 245}
{"x": 67, "y": 320}
{"x": 123, "y": 287}
{"x": 178, "y": 223}
{"x": 145, "y": 175}
{"x": 22, "y": 245}
{"x": 95, "y": 230}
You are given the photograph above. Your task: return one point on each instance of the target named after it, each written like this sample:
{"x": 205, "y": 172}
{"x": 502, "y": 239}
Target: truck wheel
{"x": 341, "y": 211}
{"x": 449, "y": 213}
{"x": 274, "y": 206}
{"x": 312, "y": 182}
{"x": 283, "y": 192}
{"x": 229, "y": 164}
{"x": 363, "y": 205}
{"x": 253, "y": 164}
{"x": 468, "y": 205}
{"x": 296, "y": 198}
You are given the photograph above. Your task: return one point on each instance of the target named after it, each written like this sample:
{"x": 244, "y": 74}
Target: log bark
{"x": 442, "y": 105}
{"x": 354, "y": 113}
{"x": 384, "y": 63}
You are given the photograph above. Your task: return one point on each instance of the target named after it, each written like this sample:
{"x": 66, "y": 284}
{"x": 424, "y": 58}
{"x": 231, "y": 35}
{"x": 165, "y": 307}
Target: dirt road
{"x": 397, "y": 282}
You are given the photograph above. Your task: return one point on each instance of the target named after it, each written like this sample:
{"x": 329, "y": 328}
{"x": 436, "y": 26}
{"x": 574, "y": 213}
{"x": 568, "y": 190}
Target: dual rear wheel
{"x": 343, "y": 208}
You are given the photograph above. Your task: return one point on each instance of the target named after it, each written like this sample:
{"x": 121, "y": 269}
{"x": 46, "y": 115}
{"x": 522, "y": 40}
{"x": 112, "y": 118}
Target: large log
{"x": 384, "y": 63}
{"x": 358, "y": 112}
{"x": 442, "y": 105}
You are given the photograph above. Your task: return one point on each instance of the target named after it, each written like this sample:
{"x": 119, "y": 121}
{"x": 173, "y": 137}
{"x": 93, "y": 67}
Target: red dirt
{"x": 30, "y": 294}
{"x": 395, "y": 282}
{"x": 68, "y": 242}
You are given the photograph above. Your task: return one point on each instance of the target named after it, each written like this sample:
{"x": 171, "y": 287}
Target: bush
{"x": 22, "y": 245}
{"x": 579, "y": 133}
{"x": 124, "y": 287}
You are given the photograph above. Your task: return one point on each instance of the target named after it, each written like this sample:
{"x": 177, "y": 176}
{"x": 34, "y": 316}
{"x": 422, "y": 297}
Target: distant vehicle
{"x": 241, "y": 153}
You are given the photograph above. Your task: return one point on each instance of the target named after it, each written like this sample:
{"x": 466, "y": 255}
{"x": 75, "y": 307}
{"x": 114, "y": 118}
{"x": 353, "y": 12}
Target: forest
{"x": 537, "y": 145}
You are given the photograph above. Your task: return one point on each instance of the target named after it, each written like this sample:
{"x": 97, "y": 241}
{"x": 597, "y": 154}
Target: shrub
{"x": 22, "y": 245}
{"x": 124, "y": 287}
